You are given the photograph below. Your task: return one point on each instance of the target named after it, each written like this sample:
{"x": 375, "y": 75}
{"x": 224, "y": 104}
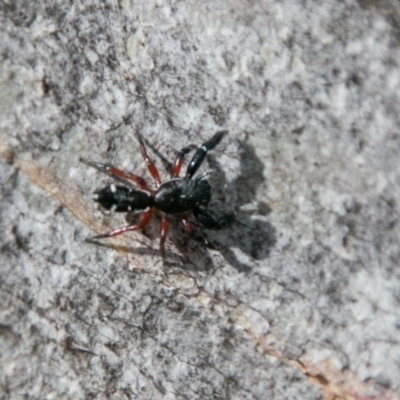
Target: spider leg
{"x": 185, "y": 224}
{"x": 118, "y": 173}
{"x": 150, "y": 165}
{"x": 179, "y": 160}
{"x": 143, "y": 221}
{"x": 188, "y": 228}
{"x": 164, "y": 232}
{"x": 201, "y": 153}
{"x": 210, "y": 222}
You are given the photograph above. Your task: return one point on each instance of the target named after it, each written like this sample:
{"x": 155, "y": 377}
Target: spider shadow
{"x": 173, "y": 259}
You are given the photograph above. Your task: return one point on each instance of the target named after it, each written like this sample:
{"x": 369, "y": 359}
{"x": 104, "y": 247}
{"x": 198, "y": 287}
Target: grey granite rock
{"x": 300, "y": 298}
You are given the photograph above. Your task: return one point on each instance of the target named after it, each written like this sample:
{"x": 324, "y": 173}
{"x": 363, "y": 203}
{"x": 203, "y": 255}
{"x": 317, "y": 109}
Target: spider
{"x": 177, "y": 196}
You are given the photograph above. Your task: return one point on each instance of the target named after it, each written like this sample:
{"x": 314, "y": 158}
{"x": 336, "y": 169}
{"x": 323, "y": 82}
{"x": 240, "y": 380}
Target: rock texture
{"x": 300, "y": 297}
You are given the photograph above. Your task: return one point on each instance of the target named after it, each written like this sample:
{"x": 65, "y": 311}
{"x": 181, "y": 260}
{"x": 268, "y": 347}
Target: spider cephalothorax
{"x": 178, "y": 196}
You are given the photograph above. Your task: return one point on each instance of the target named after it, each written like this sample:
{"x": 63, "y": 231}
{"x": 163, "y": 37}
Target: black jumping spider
{"x": 177, "y": 196}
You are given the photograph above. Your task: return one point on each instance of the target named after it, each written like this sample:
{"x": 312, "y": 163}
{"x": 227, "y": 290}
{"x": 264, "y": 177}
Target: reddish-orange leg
{"x": 117, "y": 173}
{"x": 179, "y": 160}
{"x": 164, "y": 232}
{"x": 150, "y": 165}
{"x": 143, "y": 221}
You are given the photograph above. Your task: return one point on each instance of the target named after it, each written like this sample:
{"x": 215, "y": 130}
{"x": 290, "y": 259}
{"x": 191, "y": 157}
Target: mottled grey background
{"x": 300, "y": 299}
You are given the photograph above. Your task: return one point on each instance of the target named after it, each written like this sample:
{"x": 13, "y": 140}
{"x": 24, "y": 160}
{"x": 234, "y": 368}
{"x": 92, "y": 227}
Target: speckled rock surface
{"x": 300, "y": 298}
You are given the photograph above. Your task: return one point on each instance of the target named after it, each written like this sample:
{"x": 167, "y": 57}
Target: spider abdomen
{"x": 123, "y": 199}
